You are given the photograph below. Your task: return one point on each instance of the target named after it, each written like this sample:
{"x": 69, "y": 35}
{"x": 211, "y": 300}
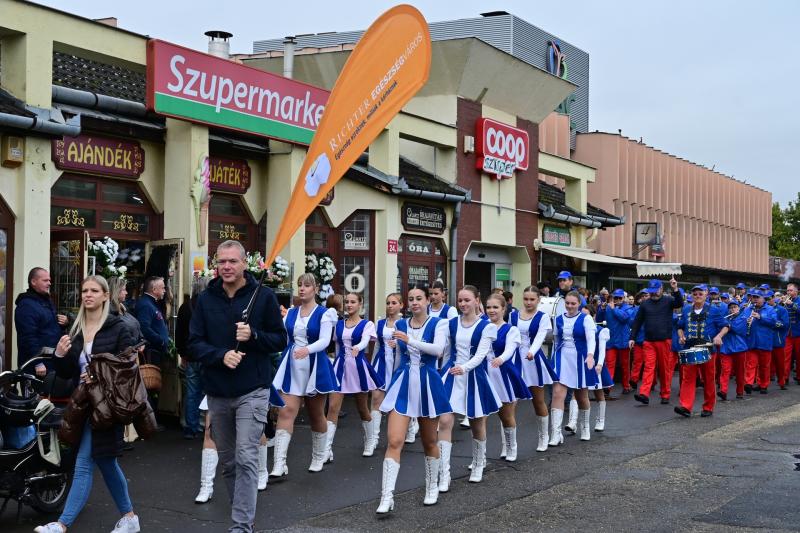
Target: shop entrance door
{"x": 69, "y": 264}
{"x": 6, "y": 283}
{"x": 479, "y": 274}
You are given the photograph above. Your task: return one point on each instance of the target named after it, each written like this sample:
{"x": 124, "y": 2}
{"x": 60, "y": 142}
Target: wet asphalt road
{"x": 650, "y": 470}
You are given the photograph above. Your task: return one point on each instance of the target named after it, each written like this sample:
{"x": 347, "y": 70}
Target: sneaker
{"x": 722, "y": 396}
{"x": 705, "y": 413}
{"x": 127, "y": 524}
{"x": 664, "y": 401}
{"x": 681, "y": 410}
{"x": 641, "y": 398}
{"x": 52, "y": 527}
{"x": 748, "y": 389}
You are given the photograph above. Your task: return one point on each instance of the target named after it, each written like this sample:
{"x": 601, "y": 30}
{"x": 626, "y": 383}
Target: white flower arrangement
{"x": 106, "y": 253}
{"x": 325, "y": 290}
{"x": 322, "y": 266}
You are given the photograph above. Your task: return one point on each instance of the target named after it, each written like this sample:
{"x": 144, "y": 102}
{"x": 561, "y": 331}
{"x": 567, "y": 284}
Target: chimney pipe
{"x": 288, "y": 56}
{"x": 218, "y": 44}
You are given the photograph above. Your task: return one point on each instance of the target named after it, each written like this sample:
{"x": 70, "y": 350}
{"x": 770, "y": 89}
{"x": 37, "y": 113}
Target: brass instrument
{"x": 731, "y": 314}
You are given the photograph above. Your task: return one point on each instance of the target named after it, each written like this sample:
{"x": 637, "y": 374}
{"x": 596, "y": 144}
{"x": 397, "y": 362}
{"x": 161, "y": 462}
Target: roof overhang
{"x": 567, "y": 169}
{"x": 643, "y": 268}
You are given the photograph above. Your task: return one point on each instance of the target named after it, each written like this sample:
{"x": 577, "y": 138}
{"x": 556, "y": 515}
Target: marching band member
{"x": 355, "y": 374}
{"x": 761, "y": 321}
{"x": 574, "y": 345}
{"x": 618, "y": 316}
{"x": 655, "y": 314}
{"x": 638, "y": 346}
{"x": 741, "y": 291}
{"x": 468, "y": 387}
{"x": 792, "y": 305}
{"x": 733, "y": 352}
{"x": 698, "y": 322}
{"x": 415, "y": 391}
{"x": 383, "y": 360}
{"x": 602, "y": 377}
{"x": 676, "y": 346}
{"x": 305, "y": 375}
{"x": 779, "y": 340}
{"x": 504, "y": 374}
{"x": 537, "y": 371}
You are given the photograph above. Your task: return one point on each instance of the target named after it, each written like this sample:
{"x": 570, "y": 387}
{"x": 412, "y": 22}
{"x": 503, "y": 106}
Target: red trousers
{"x": 638, "y": 361}
{"x": 757, "y": 364}
{"x": 688, "y": 381}
{"x": 735, "y": 362}
{"x": 657, "y": 353}
{"x": 623, "y": 355}
{"x": 776, "y": 369}
{"x": 792, "y": 351}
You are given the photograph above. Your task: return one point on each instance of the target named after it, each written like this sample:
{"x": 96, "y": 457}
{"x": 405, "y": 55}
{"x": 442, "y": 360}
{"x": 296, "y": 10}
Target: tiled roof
{"x": 13, "y": 106}
{"x": 418, "y": 178}
{"x": 87, "y": 75}
{"x": 552, "y": 195}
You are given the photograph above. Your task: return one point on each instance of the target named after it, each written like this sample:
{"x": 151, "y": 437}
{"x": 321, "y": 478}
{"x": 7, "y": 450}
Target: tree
{"x": 785, "y": 240}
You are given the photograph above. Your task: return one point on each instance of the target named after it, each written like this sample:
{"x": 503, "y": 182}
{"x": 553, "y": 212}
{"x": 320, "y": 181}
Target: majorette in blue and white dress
{"x": 383, "y": 359}
{"x": 355, "y": 374}
{"x": 416, "y": 390}
{"x": 604, "y": 380}
{"x": 471, "y": 393}
{"x": 538, "y": 371}
{"x": 445, "y": 312}
{"x": 573, "y": 339}
{"x": 506, "y": 379}
{"x": 314, "y": 374}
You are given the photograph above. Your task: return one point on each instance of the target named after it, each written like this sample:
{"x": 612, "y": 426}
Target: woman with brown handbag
{"x": 95, "y": 331}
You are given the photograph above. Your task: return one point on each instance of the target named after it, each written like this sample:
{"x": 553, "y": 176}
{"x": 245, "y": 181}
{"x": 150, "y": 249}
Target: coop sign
{"x": 501, "y": 149}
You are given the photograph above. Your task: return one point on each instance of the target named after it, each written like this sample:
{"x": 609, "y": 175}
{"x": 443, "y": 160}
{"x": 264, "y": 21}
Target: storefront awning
{"x": 643, "y": 268}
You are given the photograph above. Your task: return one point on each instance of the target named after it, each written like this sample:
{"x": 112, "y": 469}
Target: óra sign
{"x": 501, "y": 149}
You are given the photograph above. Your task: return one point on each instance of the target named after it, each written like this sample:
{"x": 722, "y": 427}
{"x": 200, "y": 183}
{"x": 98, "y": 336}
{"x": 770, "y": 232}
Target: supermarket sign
{"x": 198, "y": 87}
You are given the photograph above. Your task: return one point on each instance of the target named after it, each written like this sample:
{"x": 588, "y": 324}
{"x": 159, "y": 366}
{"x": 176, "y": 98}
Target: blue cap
{"x": 764, "y": 286}
{"x": 724, "y": 295}
{"x": 769, "y": 294}
{"x": 713, "y": 290}
{"x": 701, "y": 287}
{"x": 758, "y": 293}
{"x": 741, "y": 286}
{"x": 564, "y": 275}
{"x": 653, "y": 286}
{"x": 618, "y": 293}
{"x": 751, "y": 292}
{"x": 733, "y": 302}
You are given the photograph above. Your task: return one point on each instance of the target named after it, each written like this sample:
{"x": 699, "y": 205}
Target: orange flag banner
{"x": 387, "y": 67}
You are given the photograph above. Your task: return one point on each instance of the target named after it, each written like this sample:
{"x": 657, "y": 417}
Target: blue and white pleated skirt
{"x": 355, "y": 374}
{"x": 571, "y": 369}
{"x": 470, "y": 394}
{"x": 508, "y": 383}
{"x": 416, "y": 390}
{"x": 308, "y": 376}
{"x": 603, "y": 381}
{"x": 384, "y": 367}
{"x": 538, "y": 372}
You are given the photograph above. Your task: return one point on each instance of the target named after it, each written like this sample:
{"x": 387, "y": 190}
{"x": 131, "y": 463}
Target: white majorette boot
{"x": 600, "y": 421}
{"x": 329, "y": 442}
{"x": 263, "y": 470}
{"x": 504, "y": 450}
{"x": 318, "y": 441}
{"x": 572, "y": 421}
{"x": 413, "y": 429}
{"x": 369, "y": 436}
{"x": 511, "y": 443}
{"x": 390, "y": 470}
{"x": 583, "y": 422}
{"x": 544, "y": 427}
{"x": 376, "y": 426}
{"x": 208, "y": 469}
{"x": 280, "y": 449}
{"x": 556, "y": 437}
{"x": 431, "y": 480}
{"x": 478, "y": 460}
{"x": 445, "y": 448}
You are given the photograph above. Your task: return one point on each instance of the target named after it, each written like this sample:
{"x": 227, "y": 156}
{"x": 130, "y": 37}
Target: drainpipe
{"x": 289, "y": 43}
{"x": 428, "y": 195}
{"x": 71, "y": 128}
{"x": 90, "y": 100}
{"x": 451, "y": 280}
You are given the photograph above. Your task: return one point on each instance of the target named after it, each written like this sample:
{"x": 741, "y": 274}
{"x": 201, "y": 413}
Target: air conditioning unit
{"x": 13, "y": 151}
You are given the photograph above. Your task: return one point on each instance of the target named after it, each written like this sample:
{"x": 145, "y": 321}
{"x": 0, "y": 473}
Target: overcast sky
{"x": 714, "y": 82}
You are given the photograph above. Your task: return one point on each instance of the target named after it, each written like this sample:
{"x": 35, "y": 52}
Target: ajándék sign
{"x": 502, "y": 149}
{"x": 191, "y": 85}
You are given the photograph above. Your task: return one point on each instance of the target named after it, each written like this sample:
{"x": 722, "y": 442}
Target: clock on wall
{"x": 646, "y": 233}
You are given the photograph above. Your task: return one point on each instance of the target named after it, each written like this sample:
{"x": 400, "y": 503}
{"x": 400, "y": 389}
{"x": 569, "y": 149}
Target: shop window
{"x": 356, "y": 245}
{"x": 75, "y": 189}
{"x": 119, "y": 193}
{"x": 319, "y": 234}
{"x": 420, "y": 260}
{"x": 228, "y": 219}
{"x": 65, "y": 217}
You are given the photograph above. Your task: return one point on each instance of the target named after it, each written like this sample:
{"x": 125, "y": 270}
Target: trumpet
{"x": 786, "y": 300}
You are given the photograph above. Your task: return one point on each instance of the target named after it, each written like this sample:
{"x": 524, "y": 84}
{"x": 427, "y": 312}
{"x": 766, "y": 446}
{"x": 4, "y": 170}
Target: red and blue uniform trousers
{"x": 757, "y": 366}
{"x": 732, "y": 363}
{"x": 623, "y": 355}
{"x": 689, "y": 374}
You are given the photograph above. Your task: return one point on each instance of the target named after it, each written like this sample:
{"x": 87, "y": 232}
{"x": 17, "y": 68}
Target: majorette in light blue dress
{"x": 471, "y": 393}
{"x": 574, "y": 338}
{"x": 538, "y": 371}
{"x": 416, "y": 390}
{"x": 313, "y": 374}
{"x": 506, "y": 379}
{"x": 355, "y": 374}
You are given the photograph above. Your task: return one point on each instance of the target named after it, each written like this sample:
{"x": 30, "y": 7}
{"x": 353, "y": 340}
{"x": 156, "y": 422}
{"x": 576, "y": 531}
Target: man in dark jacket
{"x": 655, "y": 315}
{"x": 154, "y": 327}
{"x": 38, "y": 325}
{"x": 237, "y": 371}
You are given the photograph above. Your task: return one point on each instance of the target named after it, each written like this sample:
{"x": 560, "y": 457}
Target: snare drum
{"x": 694, "y": 356}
